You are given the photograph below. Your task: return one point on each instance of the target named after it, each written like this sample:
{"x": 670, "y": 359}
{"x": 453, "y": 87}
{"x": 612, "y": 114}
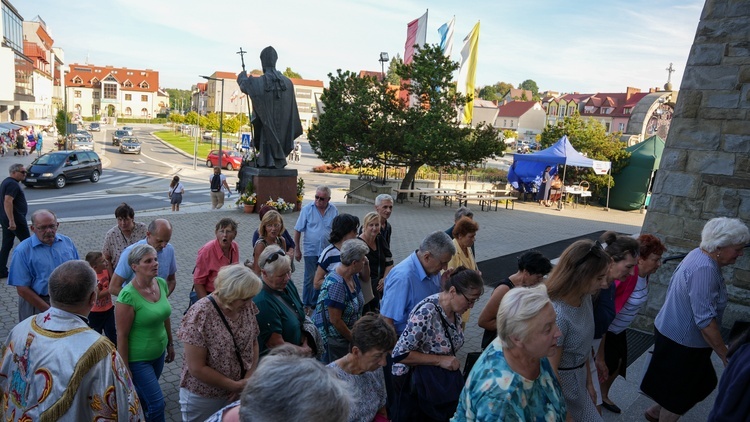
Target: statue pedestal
{"x": 270, "y": 183}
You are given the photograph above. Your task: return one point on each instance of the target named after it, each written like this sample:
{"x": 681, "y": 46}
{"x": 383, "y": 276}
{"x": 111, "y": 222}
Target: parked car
{"x": 230, "y": 159}
{"x": 95, "y": 127}
{"x": 208, "y": 135}
{"x": 130, "y": 145}
{"x": 117, "y": 136}
{"x": 83, "y": 133}
{"x": 128, "y": 129}
{"x": 83, "y": 143}
{"x": 57, "y": 168}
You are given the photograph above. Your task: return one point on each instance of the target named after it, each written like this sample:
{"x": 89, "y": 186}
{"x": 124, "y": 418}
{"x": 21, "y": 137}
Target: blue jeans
{"x": 309, "y": 294}
{"x": 146, "y": 380}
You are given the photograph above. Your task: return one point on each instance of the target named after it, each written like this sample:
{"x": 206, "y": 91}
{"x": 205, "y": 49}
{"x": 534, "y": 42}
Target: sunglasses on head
{"x": 274, "y": 256}
{"x": 595, "y": 246}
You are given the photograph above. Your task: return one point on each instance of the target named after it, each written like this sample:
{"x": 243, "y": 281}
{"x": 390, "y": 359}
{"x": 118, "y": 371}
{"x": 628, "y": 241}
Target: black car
{"x": 118, "y": 135}
{"x": 57, "y": 168}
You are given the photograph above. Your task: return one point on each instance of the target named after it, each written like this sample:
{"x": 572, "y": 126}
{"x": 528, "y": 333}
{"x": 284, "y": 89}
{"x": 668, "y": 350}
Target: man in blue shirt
{"x": 315, "y": 221}
{"x": 415, "y": 278}
{"x": 34, "y": 260}
{"x": 158, "y": 234}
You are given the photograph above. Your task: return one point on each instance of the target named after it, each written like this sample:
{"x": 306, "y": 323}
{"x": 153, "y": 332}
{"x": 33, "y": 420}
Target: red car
{"x": 230, "y": 159}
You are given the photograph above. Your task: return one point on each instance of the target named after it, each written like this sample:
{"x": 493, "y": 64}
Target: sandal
{"x": 650, "y": 418}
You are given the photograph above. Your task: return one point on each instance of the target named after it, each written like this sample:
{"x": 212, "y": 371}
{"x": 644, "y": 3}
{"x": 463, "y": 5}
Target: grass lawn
{"x": 187, "y": 143}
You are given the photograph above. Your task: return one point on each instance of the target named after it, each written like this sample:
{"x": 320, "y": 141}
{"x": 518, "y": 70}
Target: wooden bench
{"x": 447, "y": 198}
{"x": 464, "y": 197}
{"x": 403, "y": 193}
{"x": 496, "y": 199}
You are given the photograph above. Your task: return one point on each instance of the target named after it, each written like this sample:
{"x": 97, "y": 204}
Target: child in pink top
{"x": 102, "y": 315}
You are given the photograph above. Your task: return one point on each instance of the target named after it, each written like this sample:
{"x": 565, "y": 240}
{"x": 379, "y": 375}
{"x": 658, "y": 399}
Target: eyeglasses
{"x": 321, "y": 198}
{"x": 21, "y": 171}
{"x": 48, "y": 227}
{"x": 595, "y": 246}
{"x": 471, "y": 301}
{"x": 274, "y": 256}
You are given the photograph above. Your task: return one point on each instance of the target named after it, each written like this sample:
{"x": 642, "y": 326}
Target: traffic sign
{"x": 246, "y": 141}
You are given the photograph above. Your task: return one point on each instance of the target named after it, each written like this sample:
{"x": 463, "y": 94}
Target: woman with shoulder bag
{"x": 176, "y": 189}
{"x": 341, "y": 300}
{"x": 426, "y": 377}
{"x": 220, "y": 334}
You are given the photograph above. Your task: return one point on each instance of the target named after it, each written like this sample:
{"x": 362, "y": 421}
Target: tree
{"x": 495, "y": 92}
{"x": 390, "y": 75}
{"x": 589, "y": 137}
{"x": 60, "y": 119}
{"x": 180, "y": 99}
{"x": 192, "y": 118}
{"x": 365, "y": 122}
{"x": 530, "y": 85}
{"x": 289, "y": 73}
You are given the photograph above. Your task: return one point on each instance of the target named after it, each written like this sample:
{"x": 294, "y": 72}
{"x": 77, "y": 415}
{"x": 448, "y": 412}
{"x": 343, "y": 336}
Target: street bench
{"x": 401, "y": 194}
{"x": 447, "y": 198}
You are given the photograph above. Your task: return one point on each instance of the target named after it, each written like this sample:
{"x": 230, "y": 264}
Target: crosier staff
{"x": 242, "y": 58}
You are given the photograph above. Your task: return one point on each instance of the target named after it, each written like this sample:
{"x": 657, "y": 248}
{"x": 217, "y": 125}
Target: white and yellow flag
{"x": 467, "y": 72}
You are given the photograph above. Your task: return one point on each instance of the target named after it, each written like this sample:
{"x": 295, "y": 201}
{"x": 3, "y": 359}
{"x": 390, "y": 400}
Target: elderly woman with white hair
{"x": 281, "y": 316}
{"x": 220, "y": 334}
{"x": 340, "y": 301}
{"x": 513, "y": 379}
{"x": 686, "y": 329}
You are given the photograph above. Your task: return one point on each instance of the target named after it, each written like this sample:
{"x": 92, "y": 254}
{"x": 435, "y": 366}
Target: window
{"x": 94, "y": 109}
{"x": 127, "y": 84}
{"x": 606, "y": 127}
{"x": 110, "y": 91}
{"x": 621, "y": 127}
{"x": 144, "y": 112}
{"x": 304, "y": 108}
{"x": 553, "y": 110}
{"x": 77, "y": 93}
{"x": 128, "y": 111}
{"x": 562, "y": 110}
{"x": 505, "y": 122}
{"x": 95, "y": 82}
{"x": 144, "y": 97}
{"x": 77, "y": 80}
{"x": 511, "y": 123}
{"x": 304, "y": 93}
{"x": 95, "y": 95}
{"x": 628, "y": 110}
{"x": 144, "y": 85}
{"x": 128, "y": 97}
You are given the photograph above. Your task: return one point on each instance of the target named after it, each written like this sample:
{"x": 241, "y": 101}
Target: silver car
{"x": 130, "y": 145}
{"x": 83, "y": 143}
{"x": 128, "y": 129}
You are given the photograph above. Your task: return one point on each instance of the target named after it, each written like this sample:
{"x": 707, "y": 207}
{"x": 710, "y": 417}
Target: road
{"x": 143, "y": 180}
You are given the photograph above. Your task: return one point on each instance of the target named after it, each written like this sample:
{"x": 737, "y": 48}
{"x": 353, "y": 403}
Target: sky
{"x": 582, "y": 46}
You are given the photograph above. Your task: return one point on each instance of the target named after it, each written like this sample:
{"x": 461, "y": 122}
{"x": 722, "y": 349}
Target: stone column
{"x": 705, "y": 168}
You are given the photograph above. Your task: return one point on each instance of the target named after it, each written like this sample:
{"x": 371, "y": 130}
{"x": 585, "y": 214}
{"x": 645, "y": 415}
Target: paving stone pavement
{"x": 501, "y": 232}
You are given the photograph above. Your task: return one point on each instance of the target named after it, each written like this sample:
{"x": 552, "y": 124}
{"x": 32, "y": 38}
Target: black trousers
{"x": 21, "y": 232}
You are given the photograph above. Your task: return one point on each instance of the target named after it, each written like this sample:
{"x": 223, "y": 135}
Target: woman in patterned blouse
{"x": 513, "y": 379}
{"x": 433, "y": 333}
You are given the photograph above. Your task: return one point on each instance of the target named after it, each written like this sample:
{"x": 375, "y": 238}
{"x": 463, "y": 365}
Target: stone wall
{"x": 705, "y": 169}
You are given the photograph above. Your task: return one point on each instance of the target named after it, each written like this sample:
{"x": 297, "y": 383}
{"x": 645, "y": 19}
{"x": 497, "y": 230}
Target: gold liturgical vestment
{"x": 55, "y": 368}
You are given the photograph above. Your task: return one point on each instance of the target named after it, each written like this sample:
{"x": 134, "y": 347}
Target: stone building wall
{"x": 705, "y": 169}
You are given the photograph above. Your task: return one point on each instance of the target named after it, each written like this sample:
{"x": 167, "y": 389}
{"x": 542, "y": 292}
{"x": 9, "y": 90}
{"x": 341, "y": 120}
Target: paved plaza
{"x": 502, "y": 232}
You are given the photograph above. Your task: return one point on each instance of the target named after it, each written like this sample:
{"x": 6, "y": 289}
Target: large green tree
{"x": 180, "y": 99}
{"x": 530, "y": 85}
{"x": 589, "y": 137}
{"x": 390, "y": 75}
{"x": 366, "y": 123}
{"x": 494, "y": 92}
{"x": 289, "y": 73}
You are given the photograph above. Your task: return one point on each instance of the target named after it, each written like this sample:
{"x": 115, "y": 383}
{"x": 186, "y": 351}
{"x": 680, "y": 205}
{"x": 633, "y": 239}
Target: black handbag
{"x": 438, "y": 389}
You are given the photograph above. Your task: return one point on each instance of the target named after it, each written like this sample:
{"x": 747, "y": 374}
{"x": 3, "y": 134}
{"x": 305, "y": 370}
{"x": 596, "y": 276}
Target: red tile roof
{"x": 224, "y": 75}
{"x": 88, "y": 73}
{"x": 307, "y": 82}
{"x": 515, "y": 108}
{"x": 377, "y": 75}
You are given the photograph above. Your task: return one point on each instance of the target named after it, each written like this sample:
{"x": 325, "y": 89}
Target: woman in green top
{"x": 280, "y": 312}
{"x": 144, "y": 337}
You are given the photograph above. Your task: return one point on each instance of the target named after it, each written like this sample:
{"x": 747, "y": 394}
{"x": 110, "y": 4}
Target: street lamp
{"x": 382, "y": 60}
{"x": 221, "y": 113}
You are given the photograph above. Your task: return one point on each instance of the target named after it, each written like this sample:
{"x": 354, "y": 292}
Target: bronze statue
{"x": 275, "y": 117}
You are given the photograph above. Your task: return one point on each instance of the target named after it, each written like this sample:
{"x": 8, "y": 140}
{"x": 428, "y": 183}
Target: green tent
{"x": 631, "y": 190}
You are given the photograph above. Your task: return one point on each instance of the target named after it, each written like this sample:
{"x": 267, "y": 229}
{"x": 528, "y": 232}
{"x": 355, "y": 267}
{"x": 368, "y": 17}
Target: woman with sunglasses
{"x": 580, "y": 273}
{"x": 281, "y": 314}
{"x": 432, "y": 337}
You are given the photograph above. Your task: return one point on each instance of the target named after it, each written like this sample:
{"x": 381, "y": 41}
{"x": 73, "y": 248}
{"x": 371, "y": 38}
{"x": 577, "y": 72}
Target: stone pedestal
{"x": 270, "y": 183}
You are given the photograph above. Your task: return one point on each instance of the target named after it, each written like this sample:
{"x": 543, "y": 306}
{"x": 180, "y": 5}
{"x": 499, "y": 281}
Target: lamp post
{"x": 384, "y": 58}
{"x": 221, "y": 114}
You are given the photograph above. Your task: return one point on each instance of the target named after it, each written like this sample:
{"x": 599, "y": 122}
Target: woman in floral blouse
{"x": 433, "y": 333}
{"x": 212, "y": 373}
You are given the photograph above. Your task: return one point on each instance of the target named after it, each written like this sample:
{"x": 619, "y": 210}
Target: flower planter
{"x": 297, "y": 206}
{"x": 248, "y": 208}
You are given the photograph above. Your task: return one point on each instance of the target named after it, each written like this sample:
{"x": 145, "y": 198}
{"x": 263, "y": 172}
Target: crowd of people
{"x": 379, "y": 341}
{"x": 22, "y": 141}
